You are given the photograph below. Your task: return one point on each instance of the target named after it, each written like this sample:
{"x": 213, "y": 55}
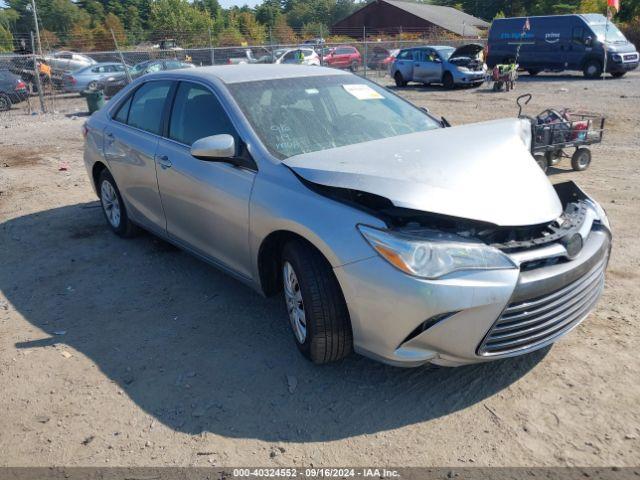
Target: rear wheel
{"x": 93, "y": 85}
{"x": 617, "y": 74}
{"x": 113, "y": 207}
{"x": 581, "y": 159}
{"x": 354, "y": 66}
{"x": 447, "y": 81}
{"x": 317, "y": 310}
{"x": 533, "y": 72}
{"x": 542, "y": 162}
{"x": 400, "y": 82}
{"x": 592, "y": 69}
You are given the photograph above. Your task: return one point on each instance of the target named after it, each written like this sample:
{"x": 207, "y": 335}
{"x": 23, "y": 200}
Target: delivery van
{"x": 585, "y": 42}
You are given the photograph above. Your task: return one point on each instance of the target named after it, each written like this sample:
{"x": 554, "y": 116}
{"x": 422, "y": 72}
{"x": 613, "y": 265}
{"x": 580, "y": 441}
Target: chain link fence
{"x": 32, "y": 84}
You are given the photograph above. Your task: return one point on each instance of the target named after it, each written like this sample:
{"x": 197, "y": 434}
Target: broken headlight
{"x": 433, "y": 254}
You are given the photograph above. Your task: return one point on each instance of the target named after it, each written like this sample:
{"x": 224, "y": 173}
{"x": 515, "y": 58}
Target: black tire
{"x": 124, "y": 227}
{"x": 354, "y": 66}
{"x": 581, "y": 159}
{"x": 533, "y": 72}
{"x": 5, "y": 102}
{"x": 542, "y": 161}
{"x": 592, "y": 69}
{"x": 400, "y": 82}
{"x": 328, "y": 328}
{"x": 93, "y": 85}
{"x": 447, "y": 81}
{"x": 617, "y": 74}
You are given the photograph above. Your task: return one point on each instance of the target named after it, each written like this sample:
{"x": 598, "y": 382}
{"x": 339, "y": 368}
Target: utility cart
{"x": 557, "y": 130}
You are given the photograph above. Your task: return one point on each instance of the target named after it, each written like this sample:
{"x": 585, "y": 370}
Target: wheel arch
{"x": 270, "y": 256}
{"x": 97, "y": 168}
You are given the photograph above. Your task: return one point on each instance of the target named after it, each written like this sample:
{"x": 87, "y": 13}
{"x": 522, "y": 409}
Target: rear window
{"x": 147, "y": 106}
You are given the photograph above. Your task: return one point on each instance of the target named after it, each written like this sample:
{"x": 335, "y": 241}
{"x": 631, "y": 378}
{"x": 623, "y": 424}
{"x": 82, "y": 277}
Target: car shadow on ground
{"x": 201, "y": 352}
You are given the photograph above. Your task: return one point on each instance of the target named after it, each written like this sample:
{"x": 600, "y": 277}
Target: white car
{"x": 302, "y": 56}
{"x": 68, "y": 61}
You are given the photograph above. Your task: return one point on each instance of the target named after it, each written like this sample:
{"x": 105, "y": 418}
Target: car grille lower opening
{"x": 533, "y": 323}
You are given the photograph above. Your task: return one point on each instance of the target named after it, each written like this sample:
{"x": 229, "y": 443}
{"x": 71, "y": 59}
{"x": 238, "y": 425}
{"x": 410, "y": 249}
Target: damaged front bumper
{"x": 480, "y": 315}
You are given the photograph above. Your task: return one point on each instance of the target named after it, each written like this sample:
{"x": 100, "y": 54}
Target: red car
{"x": 344, "y": 56}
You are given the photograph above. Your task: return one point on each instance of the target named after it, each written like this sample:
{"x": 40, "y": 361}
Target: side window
{"x": 123, "y": 112}
{"x": 147, "y": 106}
{"x": 155, "y": 67}
{"x": 578, "y": 35}
{"x": 404, "y": 55}
{"x": 197, "y": 114}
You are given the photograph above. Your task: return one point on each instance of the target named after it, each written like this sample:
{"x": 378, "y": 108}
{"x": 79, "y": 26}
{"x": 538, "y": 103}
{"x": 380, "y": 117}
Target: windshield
{"x": 445, "y": 53}
{"x": 613, "y": 35}
{"x": 308, "y": 114}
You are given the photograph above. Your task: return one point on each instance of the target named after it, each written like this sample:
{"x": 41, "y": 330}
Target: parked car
{"x": 377, "y": 57}
{"x": 88, "y": 78}
{"x": 234, "y": 56}
{"x": 302, "y": 56}
{"x": 440, "y": 64}
{"x": 65, "y": 61}
{"x": 562, "y": 42}
{"x": 388, "y": 234}
{"x": 12, "y": 90}
{"x": 114, "y": 83}
{"x": 344, "y": 56}
{"x": 272, "y": 56}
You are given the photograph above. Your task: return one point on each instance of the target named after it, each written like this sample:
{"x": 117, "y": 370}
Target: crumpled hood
{"x": 481, "y": 171}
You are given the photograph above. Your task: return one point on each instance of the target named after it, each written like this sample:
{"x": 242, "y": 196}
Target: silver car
{"x": 440, "y": 64}
{"x": 388, "y": 234}
{"x": 88, "y": 78}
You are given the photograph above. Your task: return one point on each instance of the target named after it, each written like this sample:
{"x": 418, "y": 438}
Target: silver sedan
{"x": 88, "y": 78}
{"x": 387, "y": 233}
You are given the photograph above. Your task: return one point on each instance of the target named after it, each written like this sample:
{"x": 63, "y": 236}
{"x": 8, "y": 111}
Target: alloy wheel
{"x": 295, "y": 305}
{"x": 110, "y": 203}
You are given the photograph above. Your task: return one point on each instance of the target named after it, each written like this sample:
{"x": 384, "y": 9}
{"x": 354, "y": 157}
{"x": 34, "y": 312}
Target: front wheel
{"x": 316, "y": 307}
{"x": 114, "y": 209}
{"x": 5, "y": 102}
{"x": 592, "y": 69}
{"x": 581, "y": 159}
{"x": 354, "y": 66}
{"x": 447, "y": 81}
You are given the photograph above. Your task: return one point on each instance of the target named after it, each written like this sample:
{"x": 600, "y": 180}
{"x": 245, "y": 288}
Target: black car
{"x": 113, "y": 84}
{"x": 12, "y": 90}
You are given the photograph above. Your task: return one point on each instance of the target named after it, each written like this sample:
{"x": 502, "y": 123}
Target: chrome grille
{"x": 536, "y": 322}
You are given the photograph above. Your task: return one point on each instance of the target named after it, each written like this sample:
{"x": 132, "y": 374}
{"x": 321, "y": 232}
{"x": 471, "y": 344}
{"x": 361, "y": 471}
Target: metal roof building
{"x": 395, "y": 16}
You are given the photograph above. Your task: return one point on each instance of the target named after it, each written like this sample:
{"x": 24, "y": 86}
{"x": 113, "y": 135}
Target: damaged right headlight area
{"x": 433, "y": 254}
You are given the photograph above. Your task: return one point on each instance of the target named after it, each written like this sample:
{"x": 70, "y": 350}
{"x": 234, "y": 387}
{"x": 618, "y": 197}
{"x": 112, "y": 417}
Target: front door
{"x": 130, "y": 143}
{"x": 206, "y": 203}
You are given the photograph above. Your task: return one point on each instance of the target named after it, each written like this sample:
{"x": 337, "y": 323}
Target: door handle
{"x": 164, "y": 162}
{"x": 110, "y": 138}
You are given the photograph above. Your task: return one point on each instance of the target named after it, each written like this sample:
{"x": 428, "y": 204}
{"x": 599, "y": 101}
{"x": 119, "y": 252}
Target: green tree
{"x": 6, "y": 39}
{"x": 176, "y": 16}
{"x": 251, "y": 30}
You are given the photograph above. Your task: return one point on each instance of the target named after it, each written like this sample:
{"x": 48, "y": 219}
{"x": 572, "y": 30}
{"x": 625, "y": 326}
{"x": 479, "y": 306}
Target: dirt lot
{"x": 116, "y": 352}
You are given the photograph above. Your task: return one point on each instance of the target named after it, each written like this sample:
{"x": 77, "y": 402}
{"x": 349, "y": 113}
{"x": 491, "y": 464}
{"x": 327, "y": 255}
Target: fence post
{"x": 213, "y": 53}
{"x": 37, "y": 75}
{"x": 126, "y": 70}
{"x": 271, "y": 45}
{"x": 364, "y": 38}
{"x": 322, "y": 44}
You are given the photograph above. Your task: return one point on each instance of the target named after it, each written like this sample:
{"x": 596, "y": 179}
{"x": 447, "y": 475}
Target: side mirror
{"x": 588, "y": 41}
{"x": 215, "y": 147}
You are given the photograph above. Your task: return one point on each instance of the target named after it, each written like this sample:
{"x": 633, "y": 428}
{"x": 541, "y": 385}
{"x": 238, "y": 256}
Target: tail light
{"x": 228, "y": 61}
{"x": 85, "y": 130}
{"x": 21, "y": 85}
{"x": 73, "y": 80}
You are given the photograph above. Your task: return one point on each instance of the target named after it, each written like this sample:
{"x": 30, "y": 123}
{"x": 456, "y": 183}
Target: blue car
{"x": 440, "y": 64}
{"x": 87, "y": 78}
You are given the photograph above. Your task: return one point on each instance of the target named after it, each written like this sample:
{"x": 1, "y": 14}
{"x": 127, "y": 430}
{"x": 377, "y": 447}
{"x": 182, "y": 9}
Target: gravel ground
{"x": 133, "y": 353}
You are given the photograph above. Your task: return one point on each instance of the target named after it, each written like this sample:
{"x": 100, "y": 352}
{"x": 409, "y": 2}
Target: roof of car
{"x": 253, "y": 72}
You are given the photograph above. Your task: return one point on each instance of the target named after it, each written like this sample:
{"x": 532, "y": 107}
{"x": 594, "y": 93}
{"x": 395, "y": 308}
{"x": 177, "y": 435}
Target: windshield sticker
{"x": 362, "y": 91}
{"x": 311, "y": 91}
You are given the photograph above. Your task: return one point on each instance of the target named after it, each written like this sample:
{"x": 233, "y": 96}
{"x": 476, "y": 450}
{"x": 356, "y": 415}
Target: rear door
{"x": 130, "y": 143}
{"x": 206, "y": 203}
